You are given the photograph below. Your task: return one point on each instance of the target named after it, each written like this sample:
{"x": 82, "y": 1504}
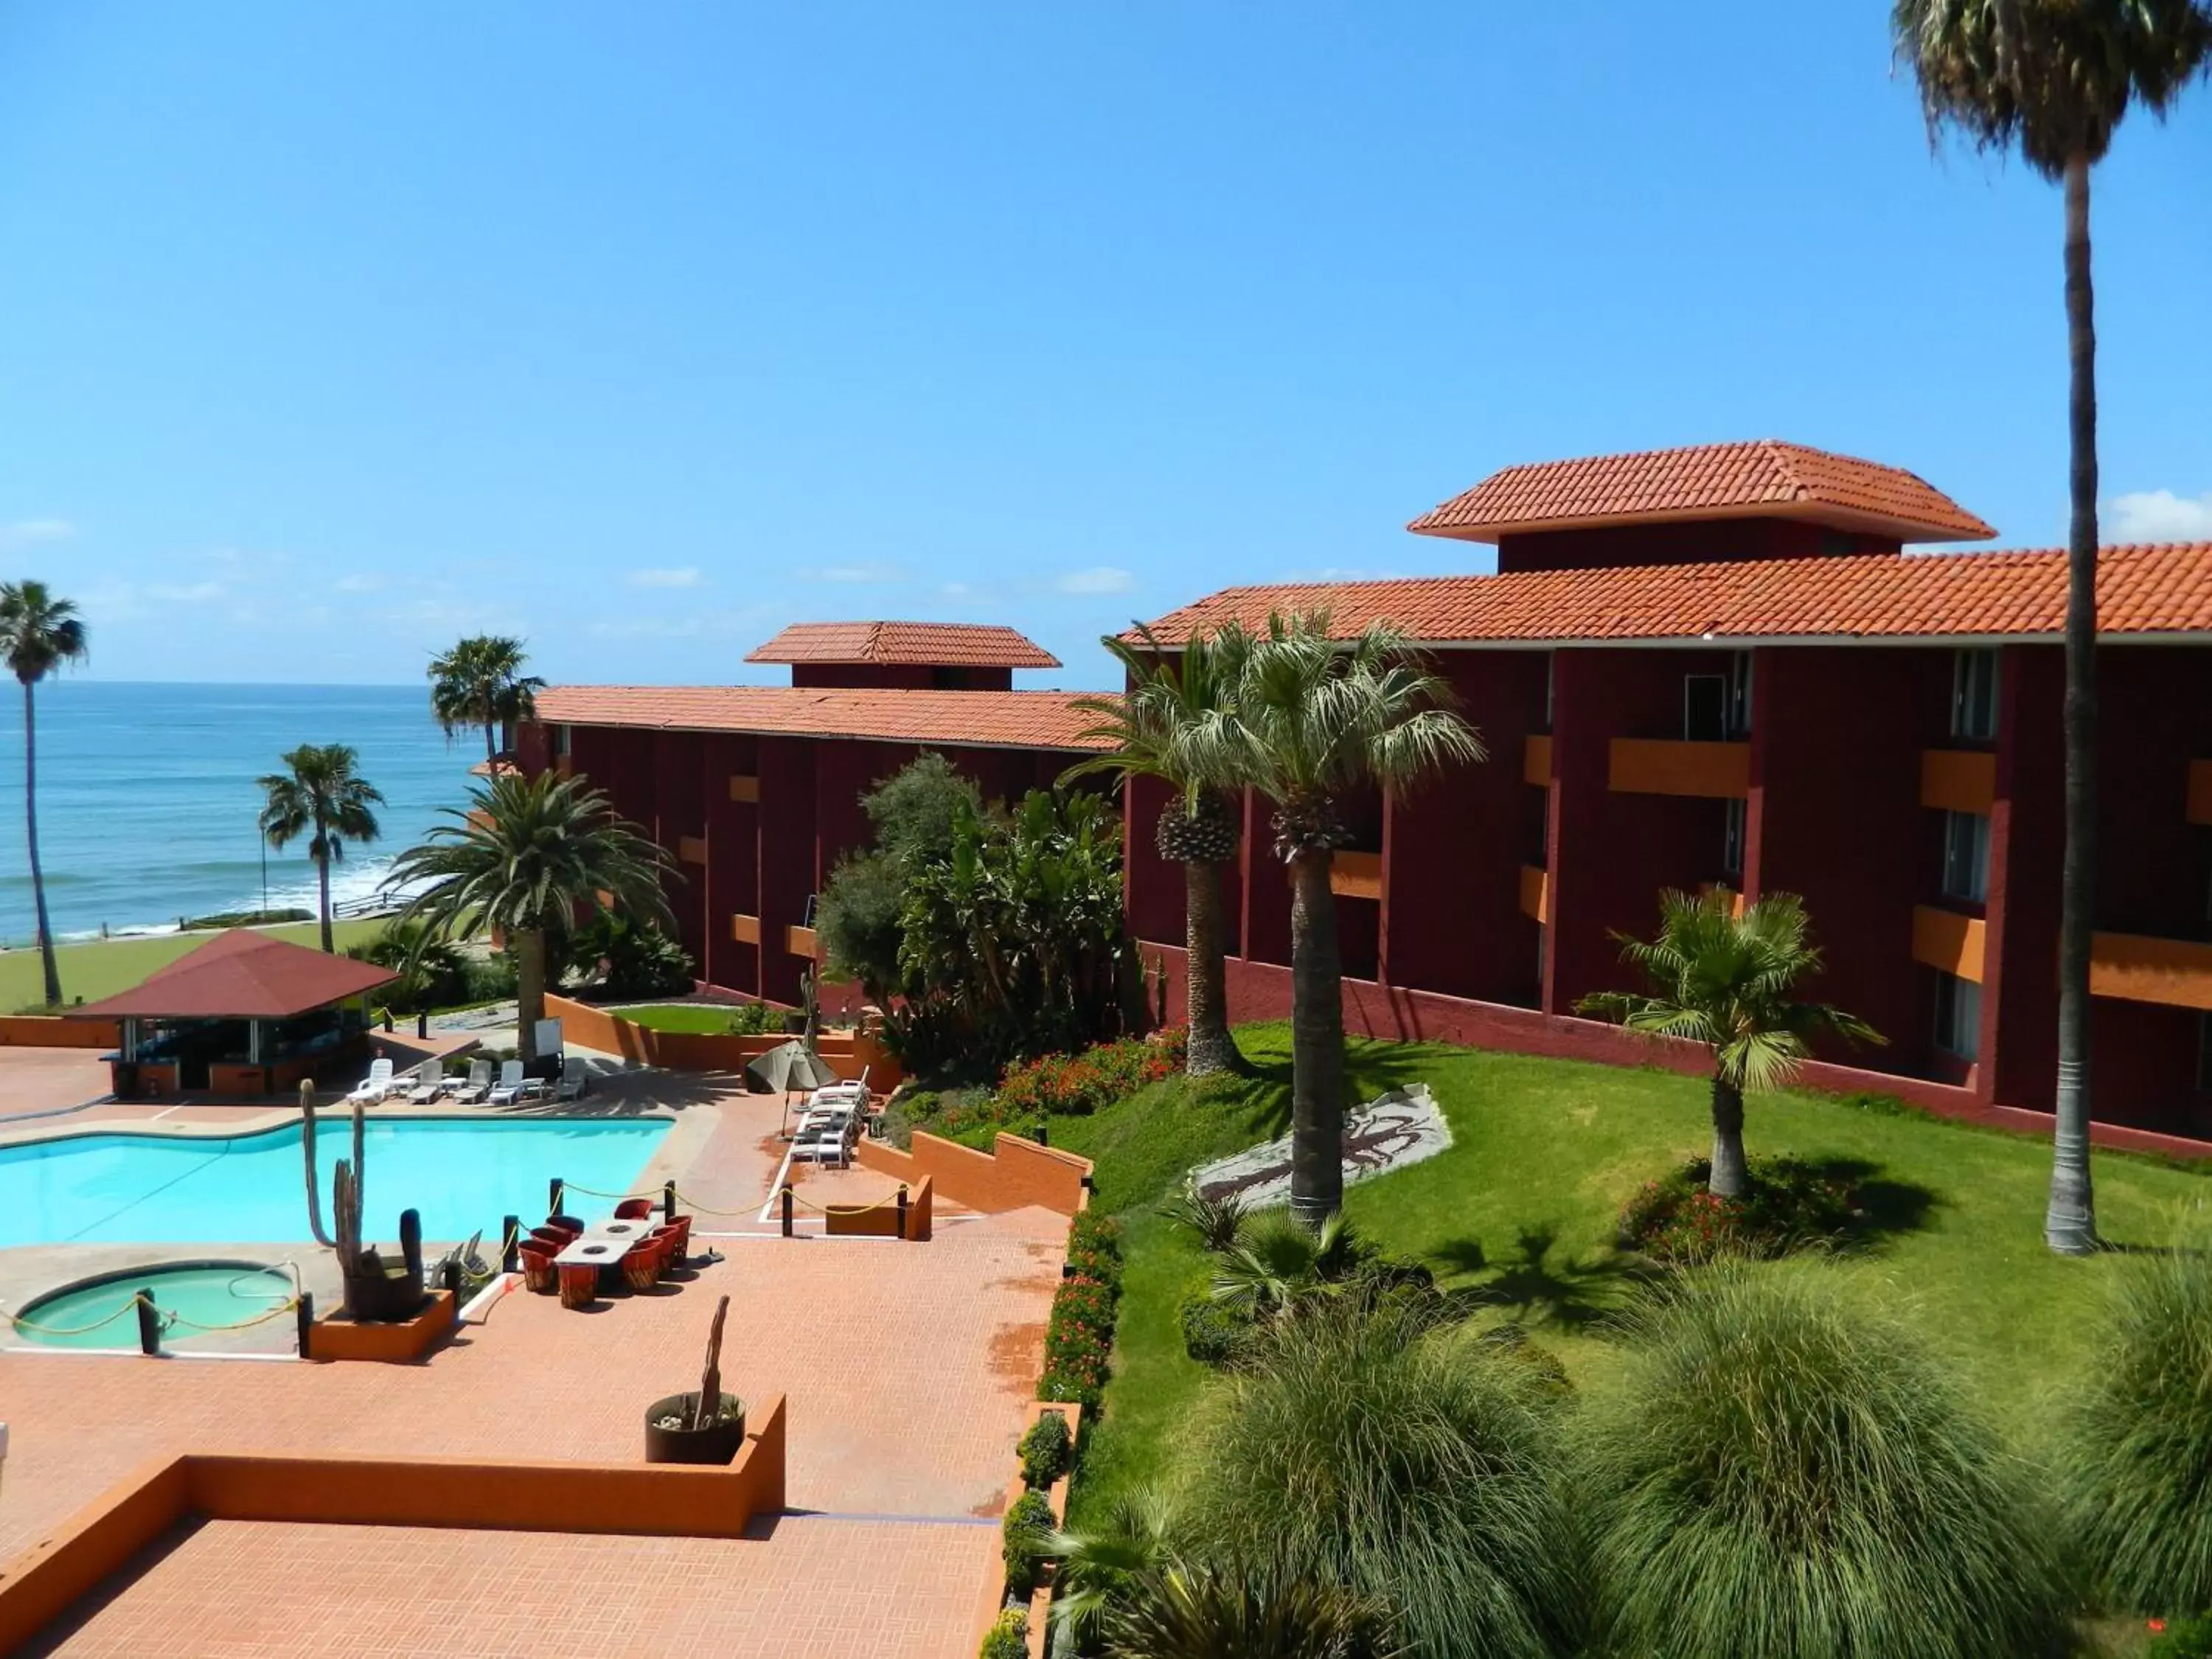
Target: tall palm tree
{"x": 523, "y": 859}
{"x": 1724, "y": 979}
{"x": 1309, "y": 720}
{"x": 1168, "y": 726}
{"x": 2054, "y": 78}
{"x": 38, "y": 633}
{"x": 480, "y": 681}
{"x": 322, "y": 795}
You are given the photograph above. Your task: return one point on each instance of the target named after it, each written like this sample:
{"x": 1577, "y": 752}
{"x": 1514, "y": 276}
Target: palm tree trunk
{"x": 1729, "y": 1178}
{"x": 323, "y": 883}
{"x": 46, "y": 962}
{"x": 529, "y": 989}
{"x": 2069, "y": 1225}
{"x": 1316, "y": 1041}
{"x": 1206, "y": 986}
{"x": 491, "y": 748}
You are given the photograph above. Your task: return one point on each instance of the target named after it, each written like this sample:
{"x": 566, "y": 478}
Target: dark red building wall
{"x": 903, "y": 677}
{"x": 2020, "y": 954}
{"x": 1266, "y": 887}
{"x": 1151, "y": 886}
{"x": 787, "y": 857}
{"x": 1835, "y": 818}
{"x": 1453, "y": 851}
{"x": 732, "y": 877}
{"x": 1611, "y": 854}
{"x": 1688, "y": 542}
{"x": 2155, "y": 716}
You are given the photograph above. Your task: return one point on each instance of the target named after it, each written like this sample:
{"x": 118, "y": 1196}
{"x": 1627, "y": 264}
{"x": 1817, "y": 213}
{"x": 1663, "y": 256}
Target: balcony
{"x": 744, "y": 786}
{"x": 1357, "y": 875}
{"x": 801, "y": 942}
{"x": 1947, "y": 940}
{"x": 691, "y": 850}
{"x": 745, "y": 929}
{"x": 2200, "y": 792}
{"x": 1536, "y": 893}
{"x": 2173, "y": 973}
{"x": 1536, "y": 760}
{"x": 1957, "y": 780}
{"x": 1652, "y": 766}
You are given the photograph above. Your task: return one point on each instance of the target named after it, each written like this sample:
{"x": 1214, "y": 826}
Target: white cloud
{"x": 2159, "y": 515}
{"x": 368, "y": 581}
{"x": 1099, "y": 579}
{"x": 956, "y": 590}
{"x": 185, "y": 592}
{"x": 850, "y": 573}
{"x": 683, "y": 576}
{"x": 27, "y": 532}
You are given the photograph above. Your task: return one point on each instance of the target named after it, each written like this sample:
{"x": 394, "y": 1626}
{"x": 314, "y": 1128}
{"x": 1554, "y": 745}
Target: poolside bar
{"x": 244, "y": 1015}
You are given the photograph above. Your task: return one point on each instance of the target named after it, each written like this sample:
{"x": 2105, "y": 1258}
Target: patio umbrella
{"x": 790, "y": 1065}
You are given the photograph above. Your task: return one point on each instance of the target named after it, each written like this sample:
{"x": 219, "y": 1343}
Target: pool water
{"x": 216, "y": 1293}
{"x": 462, "y": 1174}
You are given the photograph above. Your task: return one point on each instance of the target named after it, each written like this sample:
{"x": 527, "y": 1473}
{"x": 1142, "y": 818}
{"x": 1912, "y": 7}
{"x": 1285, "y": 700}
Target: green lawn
{"x": 705, "y": 1018}
{"x": 1523, "y": 1206}
{"x": 104, "y": 967}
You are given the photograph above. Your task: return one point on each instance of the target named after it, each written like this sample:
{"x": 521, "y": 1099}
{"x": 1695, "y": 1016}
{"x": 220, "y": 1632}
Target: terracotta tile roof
{"x": 963, "y": 645}
{"x": 2161, "y": 589}
{"x": 1764, "y": 478}
{"x": 991, "y": 720}
{"x": 242, "y": 975}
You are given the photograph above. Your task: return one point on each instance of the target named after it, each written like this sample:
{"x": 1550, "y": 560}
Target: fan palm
{"x": 523, "y": 859}
{"x": 1724, "y": 979}
{"x": 1309, "y": 720}
{"x": 322, "y": 795}
{"x": 38, "y": 633}
{"x": 1229, "y": 1610}
{"x": 480, "y": 681}
{"x": 1163, "y": 727}
{"x": 2054, "y": 78}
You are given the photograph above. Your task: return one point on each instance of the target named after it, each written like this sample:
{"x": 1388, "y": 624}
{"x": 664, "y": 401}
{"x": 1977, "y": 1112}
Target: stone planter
{"x": 719, "y": 1442}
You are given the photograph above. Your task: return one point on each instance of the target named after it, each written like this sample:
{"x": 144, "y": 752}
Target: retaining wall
{"x": 1015, "y": 1172}
{"x": 53, "y": 1031}
{"x": 848, "y": 1053}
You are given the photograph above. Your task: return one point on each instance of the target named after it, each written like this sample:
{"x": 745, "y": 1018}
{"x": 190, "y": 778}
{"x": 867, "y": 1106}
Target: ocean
{"x": 146, "y": 799}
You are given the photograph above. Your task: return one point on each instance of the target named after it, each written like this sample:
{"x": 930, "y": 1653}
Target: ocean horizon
{"x": 148, "y": 803}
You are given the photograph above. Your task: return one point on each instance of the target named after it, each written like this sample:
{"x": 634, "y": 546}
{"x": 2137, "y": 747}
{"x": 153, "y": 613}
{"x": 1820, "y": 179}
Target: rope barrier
{"x": 23, "y": 1324}
{"x": 170, "y": 1318}
{"x": 241, "y": 1325}
{"x": 568, "y": 1187}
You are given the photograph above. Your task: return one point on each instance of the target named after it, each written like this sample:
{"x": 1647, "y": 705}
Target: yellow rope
{"x": 23, "y": 1324}
{"x": 169, "y": 1319}
{"x": 242, "y": 1325}
{"x": 568, "y": 1187}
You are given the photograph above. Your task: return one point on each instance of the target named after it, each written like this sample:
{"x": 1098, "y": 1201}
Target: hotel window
{"x": 1733, "y": 834}
{"x": 1705, "y": 708}
{"x": 1974, "y": 696}
{"x": 1967, "y": 857}
{"x": 560, "y": 743}
{"x": 1957, "y": 1016}
{"x": 1739, "y": 702}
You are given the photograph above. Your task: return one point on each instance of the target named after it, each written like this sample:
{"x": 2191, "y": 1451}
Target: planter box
{"x": 398, "y": 1343}
{"x": 719, "y": 1442}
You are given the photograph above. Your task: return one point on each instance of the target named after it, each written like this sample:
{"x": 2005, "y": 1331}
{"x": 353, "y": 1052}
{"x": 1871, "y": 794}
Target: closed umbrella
{"x": 790, "y": 1065}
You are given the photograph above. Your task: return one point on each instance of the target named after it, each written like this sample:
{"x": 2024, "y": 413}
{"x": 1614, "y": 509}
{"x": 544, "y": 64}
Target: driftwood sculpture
{"x": 708, "y": 1411}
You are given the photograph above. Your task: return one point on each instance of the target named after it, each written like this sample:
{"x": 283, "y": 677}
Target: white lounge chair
{"x": 510, "y": 1084}
{"x": 376, "y": 1084}
{"x": 429, "y": 1082}
{"x": 478, "y": 1084}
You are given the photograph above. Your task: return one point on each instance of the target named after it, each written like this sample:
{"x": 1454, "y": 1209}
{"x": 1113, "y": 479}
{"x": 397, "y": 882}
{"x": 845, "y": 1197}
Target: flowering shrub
{"x": 1078, "y": 1337}
{"x": 1024, "y": 1536}
{"x": 1008, "y": 1637}
{"x": 1072, "y": 1085}
{"x": 1094, "y": 1249}
{"x": 1790, "y": 1205}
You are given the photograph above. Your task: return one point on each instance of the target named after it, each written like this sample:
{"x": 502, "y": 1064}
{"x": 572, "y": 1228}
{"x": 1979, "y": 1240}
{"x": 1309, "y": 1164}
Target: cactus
{"x": 307, "y": 1149}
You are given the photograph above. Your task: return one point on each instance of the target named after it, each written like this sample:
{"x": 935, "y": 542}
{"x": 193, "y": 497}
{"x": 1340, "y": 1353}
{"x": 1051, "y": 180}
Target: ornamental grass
{"x": 1780, "y": 1470}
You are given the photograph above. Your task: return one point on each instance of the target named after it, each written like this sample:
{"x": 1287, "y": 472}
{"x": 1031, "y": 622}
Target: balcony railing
{"x": 745, "y": 929}
{"x": 1947, "y": 940}
{"x": 2174, "y": 973}
{"x": 744, "y": 786}
{"x": 801, "y": 942}
{"x": 1957, "y": 780}
{"x": 691, "y": 850}
{"x": 1536, "y": 892}
{"x": 1536, "y": 760}
{"x": 1356, "y": 875}
{"x": 1654, "y": 766}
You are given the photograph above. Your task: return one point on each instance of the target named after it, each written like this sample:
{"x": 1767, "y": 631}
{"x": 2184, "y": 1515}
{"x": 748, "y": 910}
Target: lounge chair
{"x": 477, "y": 1085}
{"x": 429, "y": 1082}
{"x": 512, "y": 1085}
{"x": 376, "y": 1084}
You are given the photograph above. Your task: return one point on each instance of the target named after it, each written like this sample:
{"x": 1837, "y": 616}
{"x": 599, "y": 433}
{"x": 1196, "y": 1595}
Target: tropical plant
{"x": 2054, "y": 79}
{"x": 524, "y": 860}
{"x": 1723, "y": 979}
{"x": 1008, "y": 1637}
{"x": 433, "y": 972}
{"x": 1366, "y": 1448}
{"x": 1311, "y": 720}
{"x": 480, "y": 681}
{"x": 38, "y": 633}
{"x": 1238, "y": 1610}
{"x": 1781, "y": 1470}
{"x": 1168, "y": 726}
{"x": 1217, "y": 1223}
{"x": 320, "y": 794}
{"x": 1101, "y": 1564}
{"x": 1026, "y": 1535}
{"x": 2137, "y": 1442}
{"x": 628, "y": 957}
{"x": 1047, "y": 1450}
{"x": 1277, "y": 1264}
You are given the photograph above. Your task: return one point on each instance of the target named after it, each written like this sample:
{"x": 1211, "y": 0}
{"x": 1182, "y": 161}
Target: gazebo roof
{"x": 242, "y": 975}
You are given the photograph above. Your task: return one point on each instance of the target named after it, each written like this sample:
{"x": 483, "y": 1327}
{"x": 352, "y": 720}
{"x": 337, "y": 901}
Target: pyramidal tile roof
{"x": 1762, "y": 478}
{"x": 962, "y": 644}
{"x": 2163, "y": 589}
{"x": 989, "y": 720}
{"x": 242, "y": 974}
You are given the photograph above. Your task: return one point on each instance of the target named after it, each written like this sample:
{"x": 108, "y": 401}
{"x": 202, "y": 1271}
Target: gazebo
{"x": 244, "y": 1014}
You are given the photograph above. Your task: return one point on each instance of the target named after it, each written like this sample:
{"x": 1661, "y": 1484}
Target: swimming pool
{"x": 462, "y": 1174}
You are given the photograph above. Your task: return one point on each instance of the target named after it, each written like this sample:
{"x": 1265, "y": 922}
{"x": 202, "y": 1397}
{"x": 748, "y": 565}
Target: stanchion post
{"x": 306, "y": 1312}
{"x": 510, "y": 1247}
{"x": 902, "y": 1231}
{"x": 451, "y": 1275}
{"x": 553, "y": 1195}
{"x": 1044, "y": 1138}
{"x": 149, "y": 1322}
{"x": 786, "y": 1210}
{"x": 668, "y": 1200}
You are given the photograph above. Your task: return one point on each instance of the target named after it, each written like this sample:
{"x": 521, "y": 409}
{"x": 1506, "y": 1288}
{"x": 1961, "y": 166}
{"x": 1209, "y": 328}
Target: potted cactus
{"x": 708, "y": 1426}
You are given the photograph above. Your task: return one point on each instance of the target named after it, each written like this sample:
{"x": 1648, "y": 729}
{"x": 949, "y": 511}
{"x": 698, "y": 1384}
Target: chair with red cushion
{"x": 539, "y": 1273}
{"x": 641, "y": 1266}
{"x": 633, "y": 1209}
{"x": 670, "y": 1241}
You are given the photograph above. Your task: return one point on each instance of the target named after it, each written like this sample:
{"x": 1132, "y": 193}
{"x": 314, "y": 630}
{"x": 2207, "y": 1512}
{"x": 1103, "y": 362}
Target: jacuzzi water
{"x": 462, "y": 1174}
{"x": 94, "y": 1316}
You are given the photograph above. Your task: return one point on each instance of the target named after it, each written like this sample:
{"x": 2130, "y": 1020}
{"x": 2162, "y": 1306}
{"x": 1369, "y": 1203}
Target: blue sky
{"x": 329, "y": 333}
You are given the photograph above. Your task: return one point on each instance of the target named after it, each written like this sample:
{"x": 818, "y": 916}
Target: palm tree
{"x": 1163, "y": 728}
{"x": 523, "y": 859}
{"x": 1309, "y": 720}
{"x": 1723, "y": 979}
{"x": 323, "y": 796}
{"x": 38, "y": 633}
{"x": 2055, "y": 78}
{"x": 480, "y": 681}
